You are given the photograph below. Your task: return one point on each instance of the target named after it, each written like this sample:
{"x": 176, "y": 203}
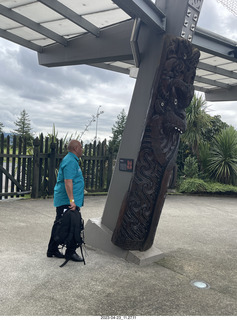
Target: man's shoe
{"x": 56, "y": 254}
{"x": 75, "y": 257}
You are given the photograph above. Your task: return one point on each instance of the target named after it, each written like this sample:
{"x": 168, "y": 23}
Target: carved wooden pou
{"x": 172, "y": 92}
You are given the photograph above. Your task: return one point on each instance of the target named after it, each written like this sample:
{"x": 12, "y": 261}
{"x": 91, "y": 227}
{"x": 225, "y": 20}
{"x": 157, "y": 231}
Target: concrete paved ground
{"x": 197, "y": 235}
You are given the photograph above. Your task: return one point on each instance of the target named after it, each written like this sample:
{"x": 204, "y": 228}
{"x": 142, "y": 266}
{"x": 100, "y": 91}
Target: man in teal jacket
{"x": 68, "y": 193}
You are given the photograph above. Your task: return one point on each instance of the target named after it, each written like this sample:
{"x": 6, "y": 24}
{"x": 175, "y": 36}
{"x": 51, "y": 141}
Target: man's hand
{"x": 69, "y": 189}
{"x": 72, "y": 206}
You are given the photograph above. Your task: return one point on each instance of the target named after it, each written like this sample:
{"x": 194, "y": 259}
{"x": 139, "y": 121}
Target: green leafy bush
{"x": 223, "y": 157}
{"x": 191, "y": 167}
{"x": 193, "y": 185}
{"x": 199, "y": 186}
{"x": 220, "y": 188}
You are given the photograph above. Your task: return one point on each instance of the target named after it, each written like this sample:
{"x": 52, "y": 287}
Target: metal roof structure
{"x": 104, "y": 33}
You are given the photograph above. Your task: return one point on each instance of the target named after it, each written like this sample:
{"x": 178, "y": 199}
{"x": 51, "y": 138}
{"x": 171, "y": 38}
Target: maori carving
{"x": 166, "y": 120}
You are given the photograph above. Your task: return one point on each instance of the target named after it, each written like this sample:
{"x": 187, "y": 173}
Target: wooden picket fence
{"x": 15, "y": 167}
{"x": 34, "y": 170}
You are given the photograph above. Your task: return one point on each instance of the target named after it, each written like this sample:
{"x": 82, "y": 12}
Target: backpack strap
{"x": 82, "y": 255}
{"x": 65, "y": 262}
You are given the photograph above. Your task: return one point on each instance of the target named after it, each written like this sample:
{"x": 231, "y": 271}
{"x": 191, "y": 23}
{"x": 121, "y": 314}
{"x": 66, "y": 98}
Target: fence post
{"x": 35, "y": 183}
{"x": 1, "y": 160}
{"x": 110, "y": 167}
{"x": 52, "y": 167}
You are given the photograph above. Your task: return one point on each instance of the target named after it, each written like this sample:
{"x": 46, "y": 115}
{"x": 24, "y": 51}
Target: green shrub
{"x": 220, "y": 188}
{"x": 199, "y": 186}
{"x": 223, "y": 157}
{"x": 204, "y": 158}
{"x": 193, "y": 185}
{"x": 191, "y": 167}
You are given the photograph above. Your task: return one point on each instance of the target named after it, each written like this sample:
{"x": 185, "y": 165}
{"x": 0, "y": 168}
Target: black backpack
{"x": 70, "y": 227}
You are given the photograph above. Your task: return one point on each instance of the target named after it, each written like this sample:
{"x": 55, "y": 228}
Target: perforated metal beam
{"x": 71, "y": 15}
{"x": 15, "y": 16}
{"x": 214, "y": 44}
{"x": 222, "y": 94}
{"x": 112, "y": 45}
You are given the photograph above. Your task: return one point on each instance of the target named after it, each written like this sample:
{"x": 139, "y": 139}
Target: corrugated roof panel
{"x": 201, "y": 72}
{"x": 205, "y": 55}
{"x": 7, "y": 24}
{"x": 83, "y": 7}
{"x": 104, "y": 19}
{"x": 43, "y": 42}
{"x": 15, "y": 3}
{"x": 26, "y": 33}
{"x": 216, "y": 61}
{"x": 229, "y": 81}
{"x": 64, "y": 27}
{"x": 38, "y": 12}
{"x": 215, "y": 76}
{"x": 230, "y": 66}
{"x": 203, "y": 85}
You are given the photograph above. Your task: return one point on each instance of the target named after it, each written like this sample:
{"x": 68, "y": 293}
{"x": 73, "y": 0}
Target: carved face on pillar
{"x": 173, "y": 109}
{"x": 176, "y": 86}
{"x": 174, "y": 94}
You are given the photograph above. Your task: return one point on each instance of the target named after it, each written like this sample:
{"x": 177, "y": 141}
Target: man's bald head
{"x": 73, "y": 144}
{"x": 75, "y": 147}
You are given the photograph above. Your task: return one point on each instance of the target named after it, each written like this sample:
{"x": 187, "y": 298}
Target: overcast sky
{"x": 69, "y": 96}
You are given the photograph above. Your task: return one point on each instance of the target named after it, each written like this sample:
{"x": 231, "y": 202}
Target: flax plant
{"x": 223, "y": 157}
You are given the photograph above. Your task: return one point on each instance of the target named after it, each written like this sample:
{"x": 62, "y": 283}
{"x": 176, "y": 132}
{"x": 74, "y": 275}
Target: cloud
{"x": 67, "y": 96}
{"x": 217, "y": 18}
{"x": 227, "y": 110}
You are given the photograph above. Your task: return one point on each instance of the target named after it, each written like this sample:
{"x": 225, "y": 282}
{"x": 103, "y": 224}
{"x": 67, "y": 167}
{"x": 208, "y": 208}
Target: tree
{"x": 211, "y": 141}
{"x": 1, "y": 127}
{"x": 216, "y": 125}
{"x": 215, "y": 128}
{"x": 198, "y": 121}
{"x": 191, "y": 167}
{"x": 117, "y": 131}
{"x": 23, "y": 127}
{"x": 201, "y": 130}
{"x": 204, "y": 157}
{"x": 223, "y": 157}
